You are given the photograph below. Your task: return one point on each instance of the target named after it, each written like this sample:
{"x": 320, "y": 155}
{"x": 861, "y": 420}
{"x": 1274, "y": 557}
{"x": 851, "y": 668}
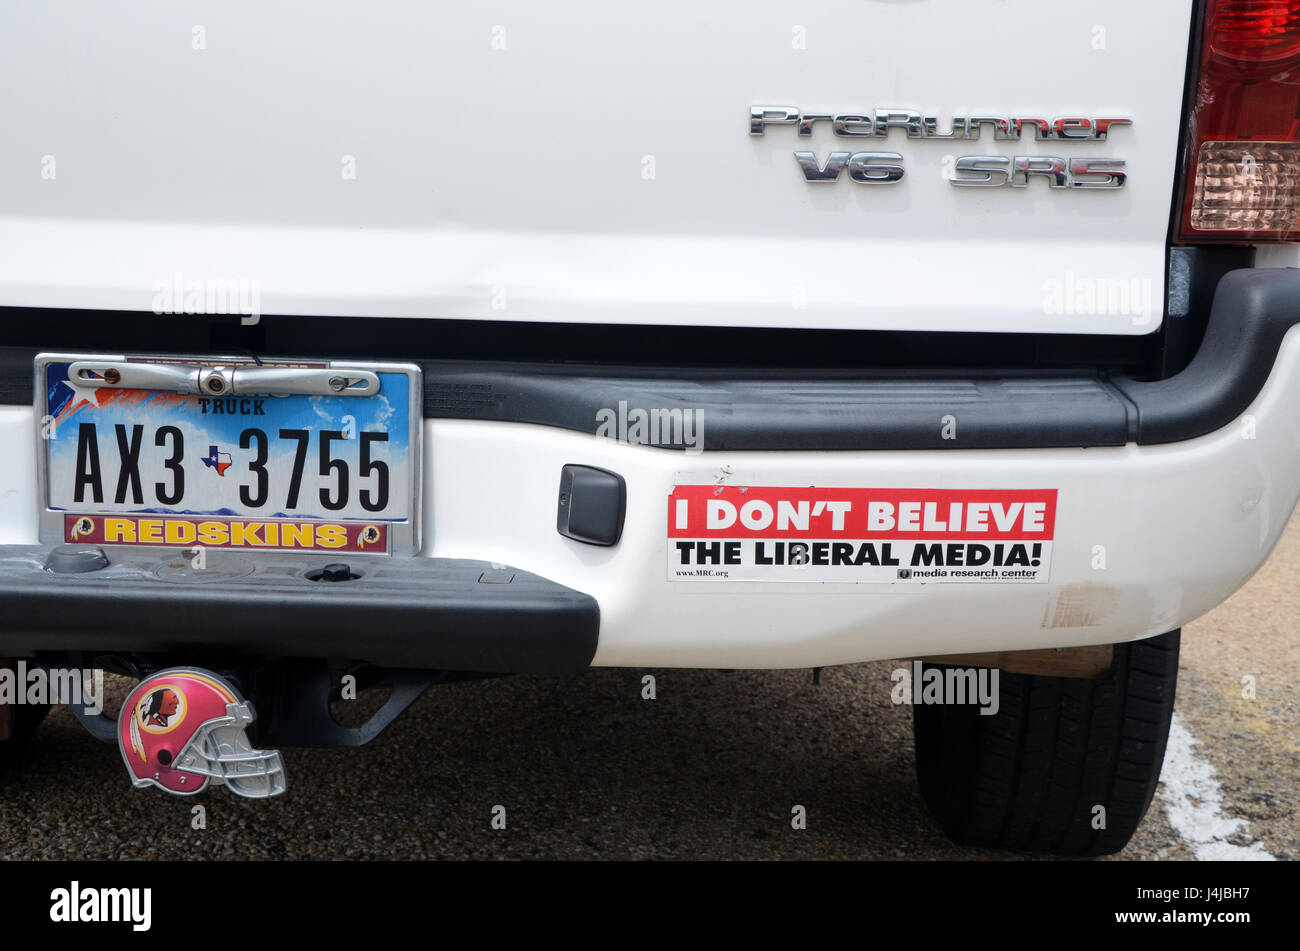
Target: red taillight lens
{"x": 1241, "y": 170}
{"x": 1254, "y": 32}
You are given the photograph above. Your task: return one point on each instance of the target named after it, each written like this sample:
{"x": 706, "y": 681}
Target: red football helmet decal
{"x": 182, "y": 728}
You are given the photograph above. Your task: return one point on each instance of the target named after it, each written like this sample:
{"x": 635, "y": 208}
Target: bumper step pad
{"x": 431, "y": 613}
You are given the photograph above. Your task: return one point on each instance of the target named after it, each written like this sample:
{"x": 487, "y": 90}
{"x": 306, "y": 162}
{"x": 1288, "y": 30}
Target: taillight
{"x": 1241, "y": 170}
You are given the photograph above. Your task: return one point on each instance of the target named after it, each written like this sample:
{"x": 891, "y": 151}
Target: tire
{"x": 1029, "y": 777}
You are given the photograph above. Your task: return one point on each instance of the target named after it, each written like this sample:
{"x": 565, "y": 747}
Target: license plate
{"x": 235, "y": 453}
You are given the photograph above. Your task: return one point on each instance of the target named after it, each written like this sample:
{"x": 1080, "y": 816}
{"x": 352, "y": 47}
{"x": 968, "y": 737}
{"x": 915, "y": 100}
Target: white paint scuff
{"x": 1193, "y": 801}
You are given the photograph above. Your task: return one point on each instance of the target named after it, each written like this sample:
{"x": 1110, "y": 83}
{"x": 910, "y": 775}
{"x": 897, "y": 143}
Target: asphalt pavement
{"x": 713, "y": 768}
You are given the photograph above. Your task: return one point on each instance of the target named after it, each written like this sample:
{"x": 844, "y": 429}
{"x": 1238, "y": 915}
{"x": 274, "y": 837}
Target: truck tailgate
{"x": 569, "y": 162}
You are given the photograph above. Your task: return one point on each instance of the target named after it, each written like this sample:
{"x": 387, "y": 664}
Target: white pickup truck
{"x": 404, "y": 342}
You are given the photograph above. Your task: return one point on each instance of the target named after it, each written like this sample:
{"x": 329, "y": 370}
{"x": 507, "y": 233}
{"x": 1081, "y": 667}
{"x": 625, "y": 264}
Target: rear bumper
{"x": 1155, "y": 525}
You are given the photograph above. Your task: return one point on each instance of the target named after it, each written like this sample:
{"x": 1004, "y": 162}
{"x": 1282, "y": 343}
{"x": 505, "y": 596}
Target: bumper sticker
{"x": 856, "y": 535}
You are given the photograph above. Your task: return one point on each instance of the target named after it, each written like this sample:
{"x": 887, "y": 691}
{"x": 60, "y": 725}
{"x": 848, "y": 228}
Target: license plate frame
{"x": 402, "y": 536}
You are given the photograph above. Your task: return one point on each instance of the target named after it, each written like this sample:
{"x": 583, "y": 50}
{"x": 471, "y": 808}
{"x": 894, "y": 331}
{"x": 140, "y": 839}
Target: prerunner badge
{"x": 907, "y": 536}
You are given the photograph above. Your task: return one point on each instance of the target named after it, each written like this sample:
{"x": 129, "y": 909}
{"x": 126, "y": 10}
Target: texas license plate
{"x": 273, "y": 455}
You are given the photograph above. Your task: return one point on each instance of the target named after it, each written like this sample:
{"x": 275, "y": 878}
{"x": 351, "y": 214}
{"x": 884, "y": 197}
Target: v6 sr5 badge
{"x": 874, "y": 166}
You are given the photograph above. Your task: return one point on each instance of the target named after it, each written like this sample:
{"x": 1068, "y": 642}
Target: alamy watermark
{"x": 930, "y": 685}
{"x": 1100, "y": 296}
{"x": 179, "y": 294}
{"x": 37, "y": 685}
{"x": 653, "y": 427}
{"x": 75, "y": 904}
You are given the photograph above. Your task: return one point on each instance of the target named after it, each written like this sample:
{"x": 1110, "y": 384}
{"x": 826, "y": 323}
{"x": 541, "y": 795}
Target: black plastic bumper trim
{"x": 402, "y": 612}
{"x": 1253, "y": 309}
{"x": 781, "y": 411}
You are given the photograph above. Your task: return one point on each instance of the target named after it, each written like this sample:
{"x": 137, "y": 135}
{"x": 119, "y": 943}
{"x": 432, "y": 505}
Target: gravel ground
{"x": 711, "y": 768}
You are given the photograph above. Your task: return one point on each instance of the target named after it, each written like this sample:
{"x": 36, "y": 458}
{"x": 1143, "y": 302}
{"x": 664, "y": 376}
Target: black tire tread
{"x": 1027, "y": 779}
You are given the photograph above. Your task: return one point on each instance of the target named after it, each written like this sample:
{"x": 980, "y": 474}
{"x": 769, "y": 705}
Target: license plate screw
{"x": 112, "y": 375}
{"x": 338, "y": 384}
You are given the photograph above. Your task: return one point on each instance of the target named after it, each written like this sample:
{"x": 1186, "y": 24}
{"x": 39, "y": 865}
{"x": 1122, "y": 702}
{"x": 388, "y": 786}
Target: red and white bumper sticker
{"x": 899, "y": 536}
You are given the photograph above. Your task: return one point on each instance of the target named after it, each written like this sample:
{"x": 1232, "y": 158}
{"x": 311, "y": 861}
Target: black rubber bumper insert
{"x": 1253, "y": 310}
{"x": 439, "y": 613}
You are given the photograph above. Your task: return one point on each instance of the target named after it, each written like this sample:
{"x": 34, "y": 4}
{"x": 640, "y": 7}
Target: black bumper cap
{"x": 1253, "y": 310}
{"x": 400, "y": 612}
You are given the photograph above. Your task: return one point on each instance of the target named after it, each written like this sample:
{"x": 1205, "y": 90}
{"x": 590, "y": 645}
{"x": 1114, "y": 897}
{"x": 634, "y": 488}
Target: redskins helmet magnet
{"x": 183, "y": 728}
